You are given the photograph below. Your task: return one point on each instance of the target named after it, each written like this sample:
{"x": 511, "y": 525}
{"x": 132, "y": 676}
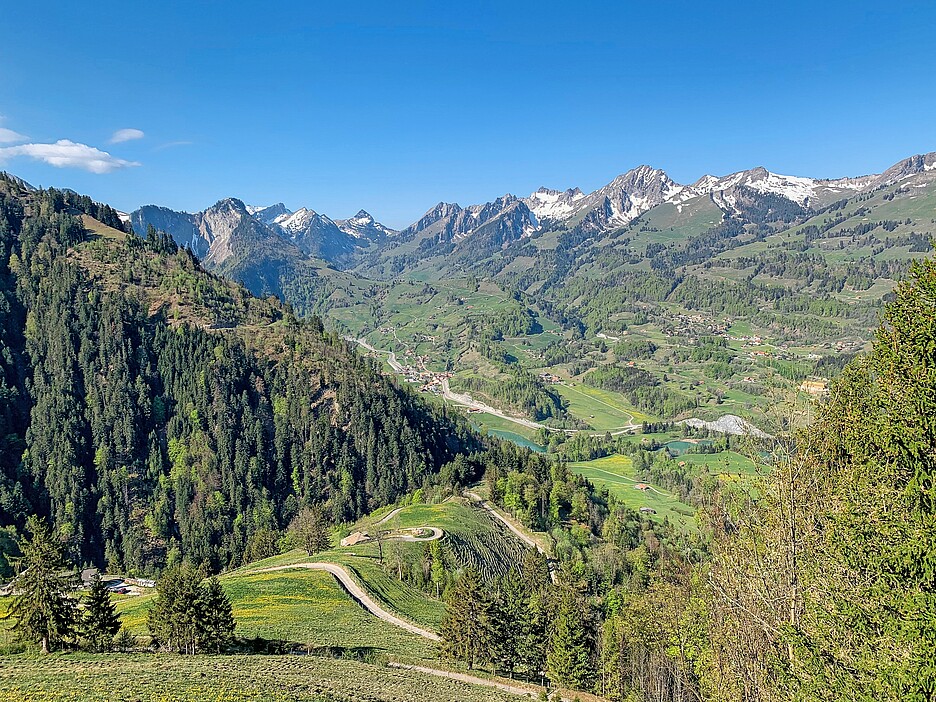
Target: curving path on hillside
{"x": 359, "y": 594}
{"x": 514, "y": 689}
{"x": 389, "y": 516}
{"x": 437, "y": 534}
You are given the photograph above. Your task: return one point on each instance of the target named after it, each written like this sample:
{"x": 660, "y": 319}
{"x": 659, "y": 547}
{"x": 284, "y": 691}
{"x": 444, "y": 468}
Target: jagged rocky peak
{"x": 268, "y": 214}
{"x": 362, "y": 217}
{"x": 298, "y": 221}
{"x": 554, "y": 204}
{"x": 364, "y": 226}
{"x": 442, "y": 211}
{"x": 914, "y": 165}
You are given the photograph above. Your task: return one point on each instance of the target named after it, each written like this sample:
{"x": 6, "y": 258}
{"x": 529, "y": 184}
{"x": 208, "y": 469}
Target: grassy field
{"x": 302, "y": 606}
{"x": 310, "y": 607}
{"x": 724, "y": 463}
{"x": 172, "y": 678}
{"x": 472, "y": 537}
{"x": 602, "y": 409}
{"x": 617, "y": 474}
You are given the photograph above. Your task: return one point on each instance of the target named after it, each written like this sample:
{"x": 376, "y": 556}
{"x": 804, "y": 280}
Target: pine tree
{"x": 568, "y": 661}
{"x": 464, "y": 626}
{"x": 174, "y": 617}
{"x": 216, "y": 625}
{"x": 43, "y": 608}
{"x": 507, "y": 623}
{"x": 100, "y": 621}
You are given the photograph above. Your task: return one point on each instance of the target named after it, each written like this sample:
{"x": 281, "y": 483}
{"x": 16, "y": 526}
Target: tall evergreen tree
{"x": 175, "y": 616}
{"x": 464, "y": 635}
{"x": 507, "y": 621}
{"x": 43, "y": 608}
{"x": 855, "y": 618}
{"x": 569, "y": 661}
{"x": 100, "y": 621}
{"x": 216, "y": 623}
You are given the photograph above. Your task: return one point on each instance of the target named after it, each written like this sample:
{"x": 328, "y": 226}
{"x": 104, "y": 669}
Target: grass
{"x": 302, "y": 606}
{"x": 310, "y": 607}
{"x": 602, "y": 409}
{"x": 724, "y": 463}
{"x": 618, "y": 475}
{"x": 472, "y": 536}
{"x": 173, "y": 678}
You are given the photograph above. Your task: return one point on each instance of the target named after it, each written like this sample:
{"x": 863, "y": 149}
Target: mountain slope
{"x": 157, "y": 411}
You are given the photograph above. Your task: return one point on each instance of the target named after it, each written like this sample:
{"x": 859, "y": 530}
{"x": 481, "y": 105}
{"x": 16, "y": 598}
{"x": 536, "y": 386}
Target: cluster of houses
{"x": 429, "y": 381}
{"x": 692, "y": 326}
{"x": 115, "y": 583}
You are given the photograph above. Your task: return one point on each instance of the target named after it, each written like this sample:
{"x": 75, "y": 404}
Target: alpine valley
{"x": 653, "y": 443}
{"x": 645, "y": 301}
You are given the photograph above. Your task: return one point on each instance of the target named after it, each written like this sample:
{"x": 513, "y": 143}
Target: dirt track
{"x": 358, "y": 593}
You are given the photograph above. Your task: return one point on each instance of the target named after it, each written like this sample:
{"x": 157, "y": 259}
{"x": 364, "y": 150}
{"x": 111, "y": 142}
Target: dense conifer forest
{"x": 155, "y": 412}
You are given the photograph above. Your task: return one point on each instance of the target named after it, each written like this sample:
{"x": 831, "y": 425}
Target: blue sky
{"x": 395, "y": 106}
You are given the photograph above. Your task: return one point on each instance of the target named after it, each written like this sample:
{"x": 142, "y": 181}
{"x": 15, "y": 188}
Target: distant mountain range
{"x": 266, "y": 247}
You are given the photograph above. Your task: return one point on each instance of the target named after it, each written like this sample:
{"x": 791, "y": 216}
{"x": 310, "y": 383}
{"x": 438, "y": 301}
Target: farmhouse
{"x": 814, "y": 387}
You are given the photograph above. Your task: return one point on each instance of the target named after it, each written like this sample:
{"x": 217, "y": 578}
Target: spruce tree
{"x": 464, "y": 626}
{"x": 174, "y": 617}
{"x": 507, "y": 623}
{"x": 100, "y": 621}
{"x": 568, "y": 661}
{"x": 216, "y": 625}
{"x": 43, "y": 608}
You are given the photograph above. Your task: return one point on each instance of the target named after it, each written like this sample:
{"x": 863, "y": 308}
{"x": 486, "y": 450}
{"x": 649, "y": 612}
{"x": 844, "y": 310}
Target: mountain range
{"x": 220, "y": 231}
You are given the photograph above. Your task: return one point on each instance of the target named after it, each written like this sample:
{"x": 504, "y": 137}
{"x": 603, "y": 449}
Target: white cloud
{"x": 172, "y": 145}
{"x": 8, "y": 136}
{"x": 126, "y": 135}
{"x": 68, "y": 154}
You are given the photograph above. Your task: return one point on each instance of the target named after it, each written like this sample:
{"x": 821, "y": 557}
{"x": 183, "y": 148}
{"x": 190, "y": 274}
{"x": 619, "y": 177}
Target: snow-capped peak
{"x": 553, "y": 204}
{"x": 362, "y": 218}
{"x": 297, "y": 221}
{"x": 364, "y": 226}
{"x": 794, "y": 188}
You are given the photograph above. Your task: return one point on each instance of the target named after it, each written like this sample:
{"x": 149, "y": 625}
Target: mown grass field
{"x": 300, "y": 606}
{"x": 724, "y": 463}
{"x": 173, "y": 678}
{"x": 311, "y": 608}
{"x": 618, "y": 475}
{"x": 473, "y": 538}
{"x": 602, "y": 409}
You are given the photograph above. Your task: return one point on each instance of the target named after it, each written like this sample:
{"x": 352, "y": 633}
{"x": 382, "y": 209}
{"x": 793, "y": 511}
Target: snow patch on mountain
{"x": 364, "y": 226}
{"x": 553, "y": 204}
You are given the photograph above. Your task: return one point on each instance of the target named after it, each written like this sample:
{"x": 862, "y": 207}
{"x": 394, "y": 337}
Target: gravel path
{"x": 358, "y": 593}
{"x": 527, "y": 692}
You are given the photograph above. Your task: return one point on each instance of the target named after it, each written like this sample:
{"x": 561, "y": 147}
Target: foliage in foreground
{"x": 826, "y": 589}
{"x": 43, "y": 610}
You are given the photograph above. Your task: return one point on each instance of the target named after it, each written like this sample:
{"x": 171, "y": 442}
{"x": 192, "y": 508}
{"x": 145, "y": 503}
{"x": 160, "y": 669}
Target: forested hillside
{"x": 154, "y": 411}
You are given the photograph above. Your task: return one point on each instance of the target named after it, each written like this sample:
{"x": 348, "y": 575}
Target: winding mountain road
{"x": 389, "y": 516}
{"x": 465, "y": 400}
